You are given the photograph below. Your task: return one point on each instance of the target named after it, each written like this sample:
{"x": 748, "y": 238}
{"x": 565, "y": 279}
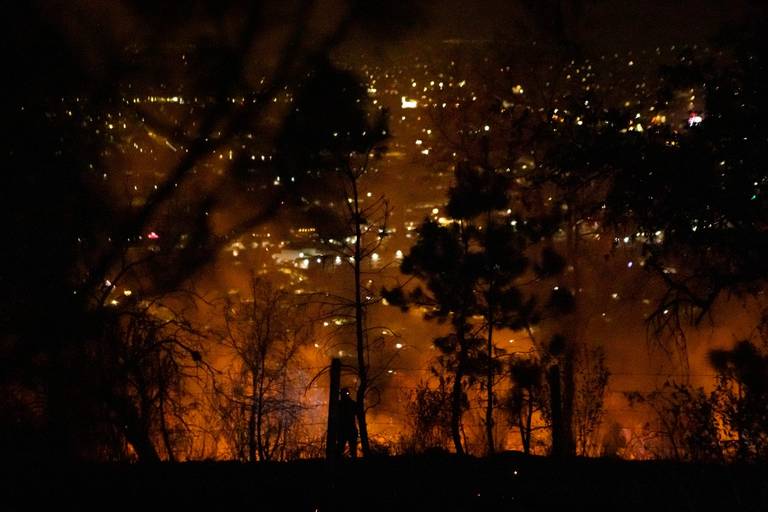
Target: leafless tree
{"x": 683, "y": 425}
{"x": 335, "y": 128}
{"x": 591, "y": 381}
{"x": 144, "y": 362}
{"x": 258, "y": 395}
{"x": 363, "y": 226}
{"x": 429, "y": 416}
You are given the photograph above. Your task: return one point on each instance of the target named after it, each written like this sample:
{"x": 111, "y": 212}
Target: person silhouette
{"x": 347, "y": 424}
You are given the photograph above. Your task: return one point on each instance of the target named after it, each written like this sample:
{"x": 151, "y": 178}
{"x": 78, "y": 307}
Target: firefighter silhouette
{"x": 347, "y": 424}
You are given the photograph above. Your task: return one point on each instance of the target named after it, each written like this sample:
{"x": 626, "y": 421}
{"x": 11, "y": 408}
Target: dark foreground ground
{"x": 428, "y": 482}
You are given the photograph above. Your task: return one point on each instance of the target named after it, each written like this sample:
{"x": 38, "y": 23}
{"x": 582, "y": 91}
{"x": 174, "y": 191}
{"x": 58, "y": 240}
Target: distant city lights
{"x": 694, "y": 119}
{"x": 408, "y": 103}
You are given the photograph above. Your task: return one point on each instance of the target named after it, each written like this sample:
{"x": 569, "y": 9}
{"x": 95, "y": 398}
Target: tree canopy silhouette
{"x": 92, "y": 236}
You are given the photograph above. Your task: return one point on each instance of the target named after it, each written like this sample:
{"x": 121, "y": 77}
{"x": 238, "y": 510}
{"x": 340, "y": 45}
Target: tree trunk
{"x": 568, "y": 394}
{"x": 142, "y": 445}
{"x": 362, "y": 369}
{"x": 489, "y": 399}
{"x": 524, "y": 420}
{"x": 332, "y": 436}
{"x": 456, "y": 410}
{"x": 528, "y": 421}
{"x": 558, "y": 443}
{"x": 572, "y": 337}
{"x": 489, "y": 317}
{"x": 260, "y": 413}
{"x": 252, "y": 420}
{"x": 457, "y": 391}
{"x": 137, "y": 435}
{"x": 165, "y": 432}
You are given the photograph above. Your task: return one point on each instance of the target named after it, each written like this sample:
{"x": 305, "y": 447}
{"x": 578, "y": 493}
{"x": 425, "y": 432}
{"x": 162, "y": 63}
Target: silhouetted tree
{"x": 499, "y": 132}
{"x": 333, "y": 128}
{"x": 77, "y": 222}
{"x": 429, "y": 415}
{"x": 741, "y": 399}
{"x": 688, "y": 190}
{"x": 527, "y": 397}
{"x": 442, "y": 260}
{"x": 142, "y": 363}
{"x": 589, "y": 402}
{"x": 479, "y": 199}
{"x": 264, "y": 332}
{"x": 687, "y": 193}
{"x": 684, "y": 424}
{"x": 472, "y": 265}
